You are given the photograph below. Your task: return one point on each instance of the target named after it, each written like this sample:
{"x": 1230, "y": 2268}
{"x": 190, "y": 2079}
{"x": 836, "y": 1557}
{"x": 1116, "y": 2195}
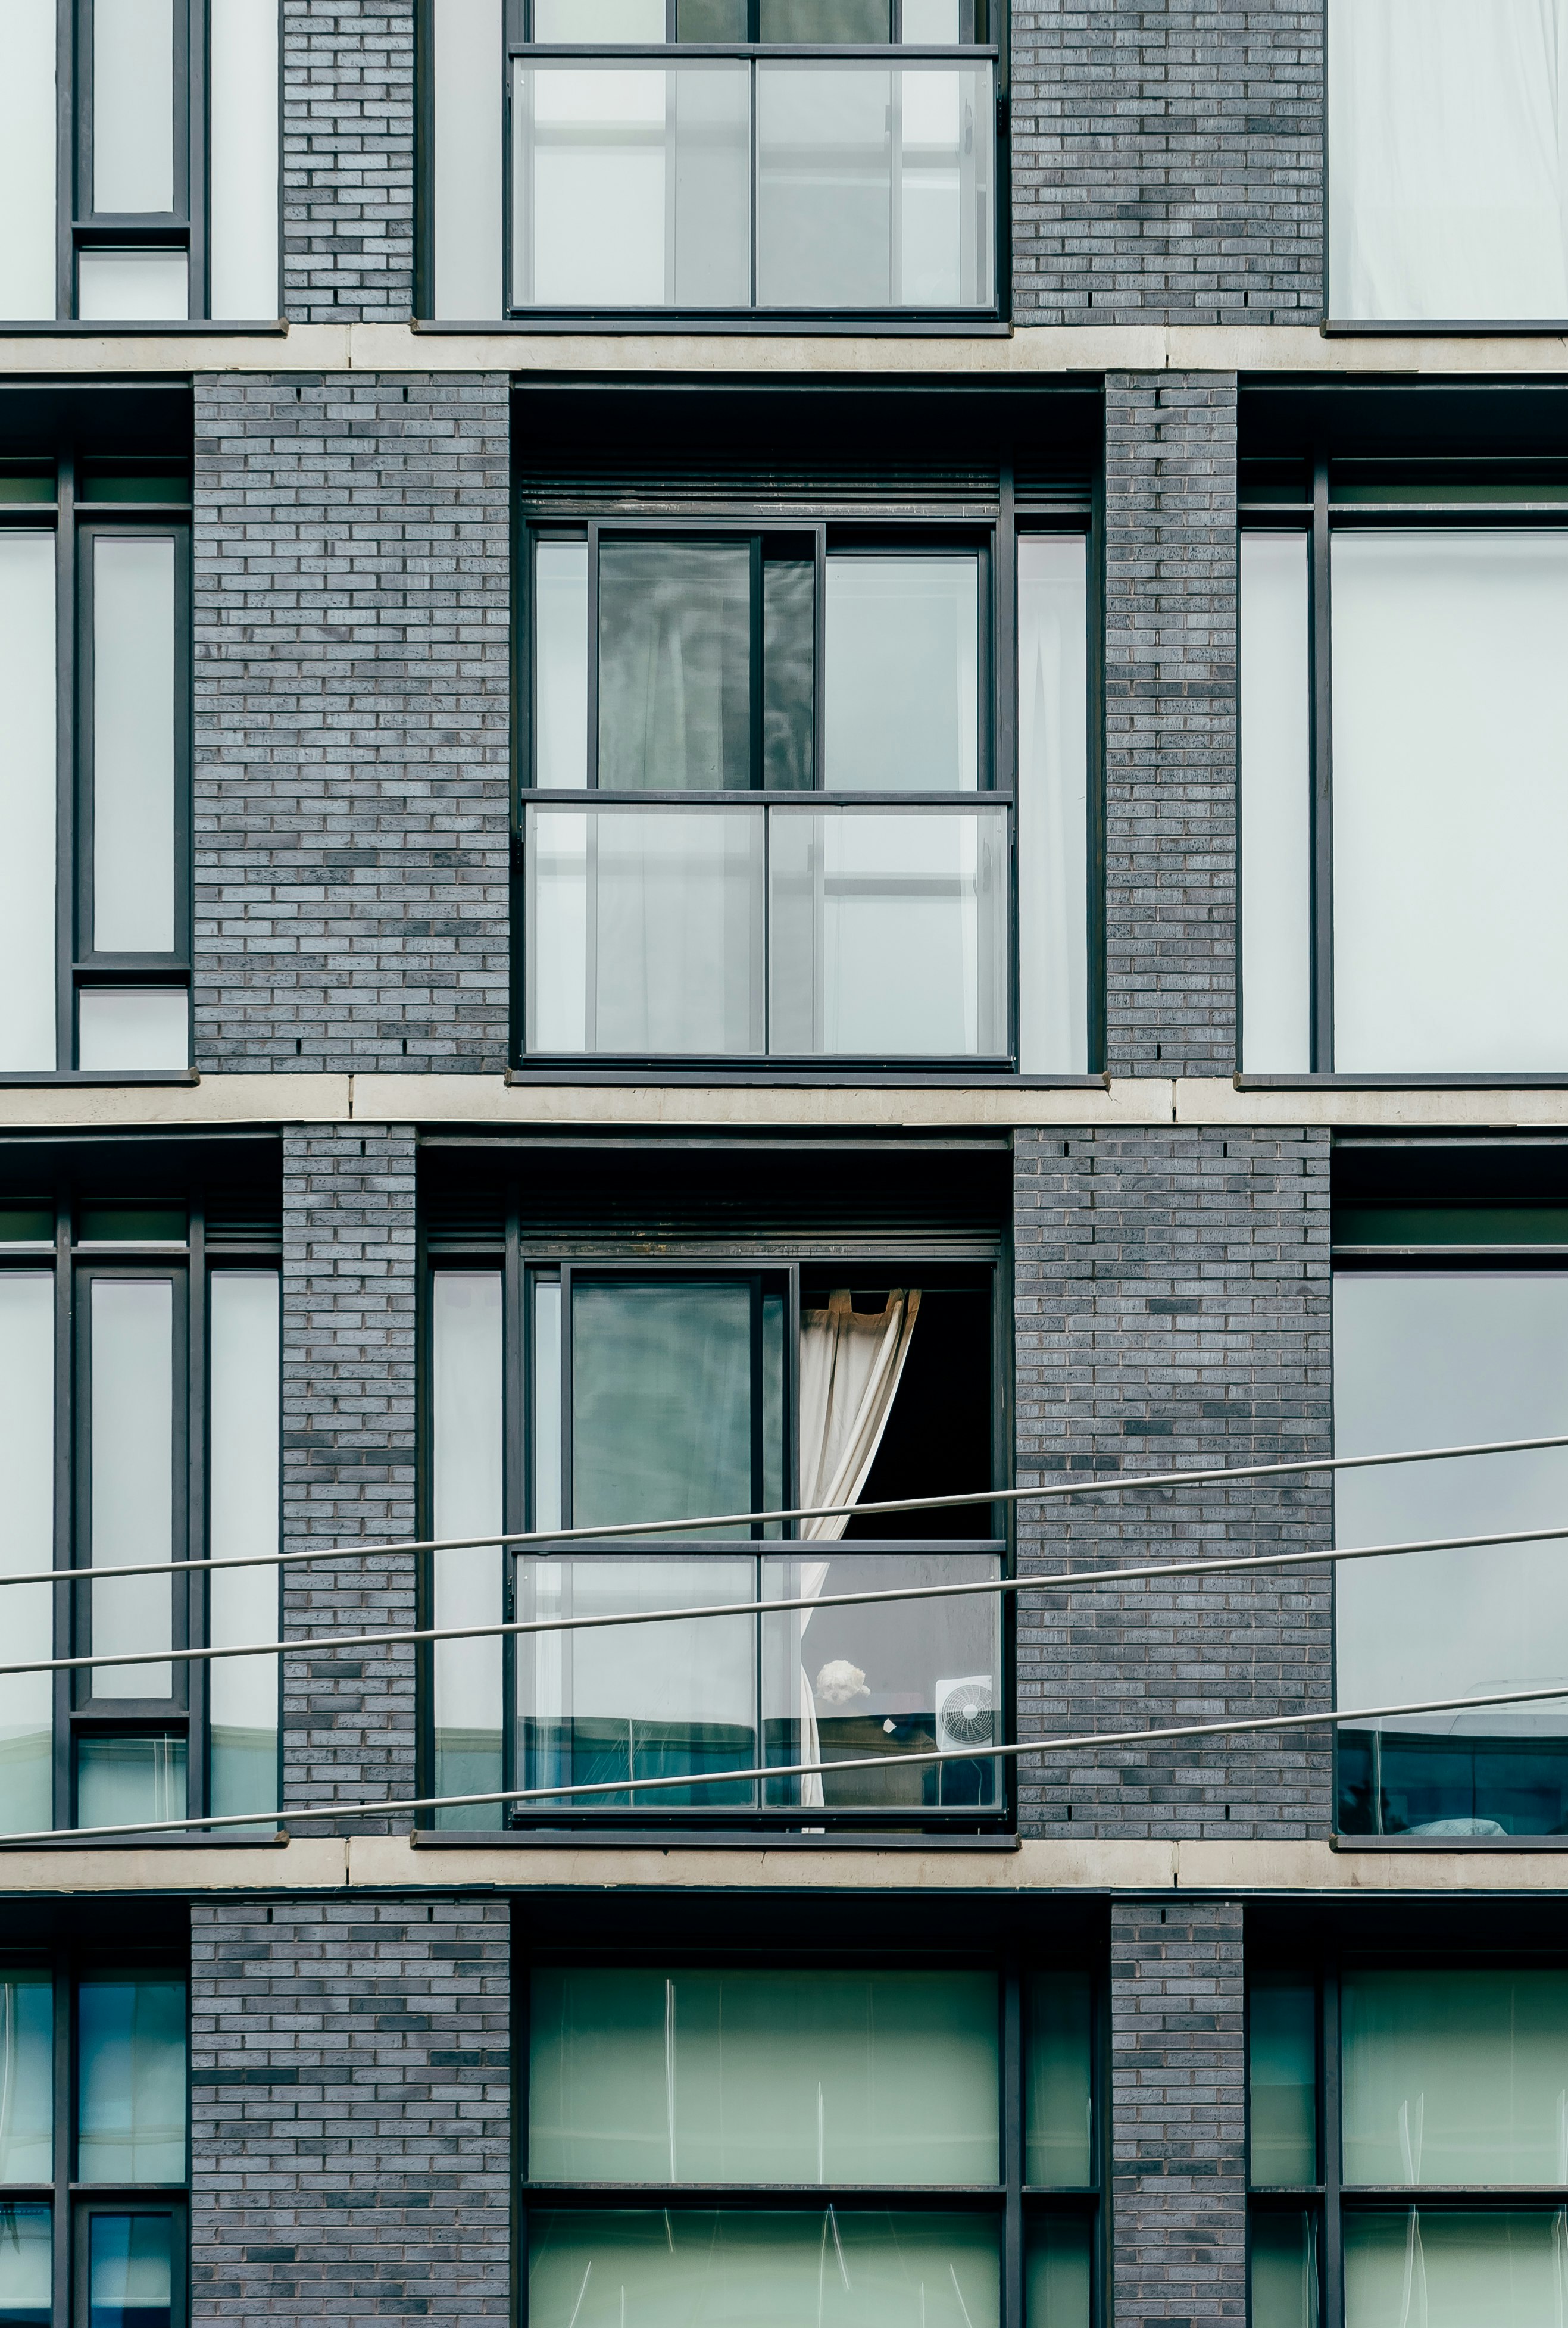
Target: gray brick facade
{"x": 348, "y": 160}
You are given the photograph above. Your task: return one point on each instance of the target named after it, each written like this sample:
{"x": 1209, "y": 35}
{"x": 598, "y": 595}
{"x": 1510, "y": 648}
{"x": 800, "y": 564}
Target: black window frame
{"x": 72, "y": 2203}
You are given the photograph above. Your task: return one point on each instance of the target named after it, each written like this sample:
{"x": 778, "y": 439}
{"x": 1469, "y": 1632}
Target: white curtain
{"x": 852, "y": 1364}
{"x": 1446, "y": 164}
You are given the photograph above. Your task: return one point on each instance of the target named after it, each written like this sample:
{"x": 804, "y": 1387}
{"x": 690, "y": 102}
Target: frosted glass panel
{"x": 1057, "y": 2087}
{"x": 902, "y": 710}
{"x": 27, "y": 1543}
{"x": 133, "y": 286}
{"x": 846, "y": 2268}
{"x": 1509, "y": 2270}
{"x": 132, "y": 1406}
{"x": 127, "y": 1028}
{"x": 561, "y": 677}
{"x": 1447, "y": 193}
{"x": 1284, "y": 2270}
{"x": 242, "y": 170}
{"x": 467, "y": 1433}
{"x": 1282, "y": 2067}
{"x": 586, "y": 21}
{"x": 889, "y": 932}
{"x": 28, "y": 782}
{"x": 26, "y": 2265}
{"x": 695, "y": 2076}
{"x": 134, "y": 680}
{"x": 546, "y": 1402}
{"x": 631, "y": 185}
{"x": 131, "y": 2079}
{"x": 1276, "y": 805}
{"x": 1455, "y": 2077}
{"x": 935, "y": 22}
{"x": 133, "y": 105}
{"x": 1053, "y": 786}
{"x": 468, "y": 107}
{"x": 27, "y": 171}
{"x": 1431, "y": 1359}
{"x": 130, "y": 2271}
{"x": 124, "y": 1777}
{"x": 1451, "y": 803}
{"x": 243, "y": 1461}
{"x": 26, "y": 2080}
{"x": 1059, "y": 2250}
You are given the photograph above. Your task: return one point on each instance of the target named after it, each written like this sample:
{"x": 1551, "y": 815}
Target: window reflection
{"x": 131, "y": 2079}
{"x": 26, "y": 2265}
{"x": 130, "y": 2271}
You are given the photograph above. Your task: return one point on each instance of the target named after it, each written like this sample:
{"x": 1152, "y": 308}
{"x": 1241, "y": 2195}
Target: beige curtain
{"x": 851, "y": 1364}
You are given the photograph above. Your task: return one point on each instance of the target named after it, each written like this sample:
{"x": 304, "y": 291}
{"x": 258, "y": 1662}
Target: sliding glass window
{"x": 772, "y": 805}
{"x": 140, "y": 167}
{"x": 1404, "y": 739}
{"x": 95, "y": 878}
{"x": 139, "y": 1429}
{"x": 575, "y": 164}
{"x": 941, "y": 2118}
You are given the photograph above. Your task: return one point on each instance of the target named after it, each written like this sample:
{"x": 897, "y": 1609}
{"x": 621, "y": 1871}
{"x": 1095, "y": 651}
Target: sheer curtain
{"x": 851, "y": 1364}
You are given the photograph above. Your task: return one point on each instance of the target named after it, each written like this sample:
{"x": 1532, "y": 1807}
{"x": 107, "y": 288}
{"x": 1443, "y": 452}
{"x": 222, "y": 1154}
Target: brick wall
{"x": 348, "y": 160}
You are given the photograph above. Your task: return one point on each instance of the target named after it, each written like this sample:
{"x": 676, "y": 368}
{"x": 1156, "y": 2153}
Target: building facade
{"x": 705, "y": 707}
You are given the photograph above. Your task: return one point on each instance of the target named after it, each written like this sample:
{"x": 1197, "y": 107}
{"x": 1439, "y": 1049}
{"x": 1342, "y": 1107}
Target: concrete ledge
{"x": 491, "y": 1099}
{"x": 1218, "y": 1101}
{"x": 214, "y": 1099}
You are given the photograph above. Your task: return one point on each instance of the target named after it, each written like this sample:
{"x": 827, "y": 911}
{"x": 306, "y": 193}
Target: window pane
{"x": 661, "y": 1401}
{"x": 674, "y": 666}
{"x": 26, "y": 2266}
{"x": 467, "y": 1443}
{"x": 1427, "y": 1359}
{"x": 935, "y": 22}
{"x": 586, "y": 21}
{"x": 467, "y": 93}
{"x": 1053, "y": 805}
{"x": 28, "y": 782}
{"x": 242, "y": 163}
{"x": 131, "y": 2079}
{"x": 1284, "y": 2271}
{"x": 133, "y": 105}
{"x": 849, "y": 2267}
{"x": 27, "y": 1543}
{"x": 560, "y": 679}
{"x": 1056, "y": 2091}
{"x": 123, "y": 1779}
{"x": 1059, "y": 2275}
{"x": 546, "y": 1402}
{"x": 133, "y": 1028}
{"x": 1468, "y": 2268}
{"x": 625, "y": 1703}
{"x": 644, "y": 931}
{"x": 132, "y": 1475}
{"x": 631, "y": 185}
{"x": 27, "y": 173}
{"x": 711, "y": 20}
{"x": 1447, "y": 194}
{"x": 1276, "y": 803}
{"x": 788, "y": 673}
{"x": 889, "y": 932}
{"x": 131, "y": 2271}
{"x": 133, "y": 286}
{"x": 1455, "y": 2077}
{"x": 1283, "y": 2064}
{"x": 908, "y": 1677}
{"x": 696, "y": 2075}
{"x": 902, "y": 704}
{"x": 1451, "y": 735}
{"x": 945, "y": 228}
{"x": 133, "y": 772}
{"x": 27, "y": 2085}
{"x": 243, "y": 1473}
{"x": 824, "y": 186}
{"x": 815, "y": 21}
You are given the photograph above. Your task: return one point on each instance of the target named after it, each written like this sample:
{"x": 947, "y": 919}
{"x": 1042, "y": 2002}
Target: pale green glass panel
{"x": 587, "y": 20}
{"x": 26, "y": 2266}
{"x": 1057, "y": 2093}
{"x": 133, "y": 1030}
{"x": 131, "y": 2079}
{"x": 661, "y": 1401}
{"x": 466, "y": 162}
{"x": 133, "y": 286}
{"x": 1282, "y": 2066}
{"x": 832, "y": 2269}
{"x": 133, "y": 105}
{"x": 244, "y": 1524}
{"x": 28, "y": 176}
{"x": 124, "y": 1778}
{"x": 1418, "y": 2268}
{"x": 242, "y": 157}
{"x": 133, "y": 764}
{"x": 830, "y": 2077}
{"x": 27, "y": 1543}
{"x": 26, "y": 2078}
{"x": 1284, "y": 2271}
{"x": 1455, "y": 2077}
{"x": 29, "y": 781}
{"x": 902, "y": 655}
{"x": 133, "y": 1477}
{"x": 1059, "y": 2275}
{"x": 560, "y": 672}
{"x": 467, "y": 1429}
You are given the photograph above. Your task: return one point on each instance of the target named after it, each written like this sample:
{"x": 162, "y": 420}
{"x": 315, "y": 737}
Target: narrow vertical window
{"x": 29, "y": 786}
{"x": 467, "y": 67}
{"x": 1276, "y": 804}
{"x": 133, "y": 106}
{"x": 242, "y": 171}
{"x": 27, "y": 1541}
{"x": 26, "y": 2088}
{"x": 560, "y": 647}
{"x": 243, "y": 1522}
{"x": 130, "y": 2079}
{"x": 467, "y": 1438}
{"x": 27, "y": 171}
{"x": 1053, "y": 805}
{"x": 132, "y": 1480}
{"x": 902, "y": 697}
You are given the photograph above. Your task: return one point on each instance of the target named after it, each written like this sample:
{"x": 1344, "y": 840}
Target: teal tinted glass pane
{"x": 1057, "y": 2088}
{"x": 125, "y": 1777}
{"x": 1284, "y": 2271}
{"x": 674, "y": 665}
{"x": 1451, "y": 1225}
{"x": 113, "y": 483}
{"x": 25, "y": 2267}
{"x": 131, "y": 1224}
{"x": 26, "y": 2078}
{"x": 1058, "y": 2272}
{"x": 1455, "y": 2077}
{"x": 1455, "y": 2270}
{"x": 24, "y": 485}
{"x": 130, "y": 2271}
{"x": 845, "y": 2268}
{"x": 661, "y": 1401}
{"x": 131, "y": 2079}
{"x": 26, "y": 1225}
{"x": 1282, "y": 2063}
{"x": 813, "y": 2077}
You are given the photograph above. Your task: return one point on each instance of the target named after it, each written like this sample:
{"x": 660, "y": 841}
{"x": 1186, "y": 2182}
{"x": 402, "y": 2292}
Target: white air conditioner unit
{"x": 966, "y": 1714}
